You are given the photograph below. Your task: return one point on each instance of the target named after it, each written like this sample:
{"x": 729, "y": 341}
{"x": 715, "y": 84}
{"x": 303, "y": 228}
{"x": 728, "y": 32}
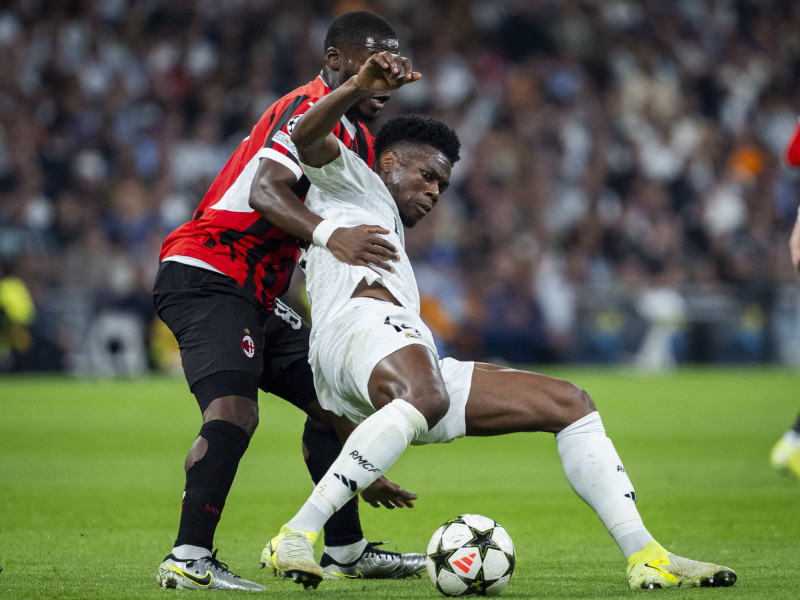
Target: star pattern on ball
{"x": 441, "y": 559}
{"x": 482, "y": 540}
{"x": 477, "y": 587}
{"x": 512, "y": 561}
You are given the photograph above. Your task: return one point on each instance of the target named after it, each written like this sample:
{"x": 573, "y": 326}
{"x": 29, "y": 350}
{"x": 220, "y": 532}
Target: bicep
{"x": 320, "y": 155}
{"x": 272, "y": 179}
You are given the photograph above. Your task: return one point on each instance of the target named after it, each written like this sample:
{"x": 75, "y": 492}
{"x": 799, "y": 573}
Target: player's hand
{"x": 383, "y": 492}
{"x": 363, "y": 246}
{"x": 385, "y": 72}
{"x": 794, "y": 245}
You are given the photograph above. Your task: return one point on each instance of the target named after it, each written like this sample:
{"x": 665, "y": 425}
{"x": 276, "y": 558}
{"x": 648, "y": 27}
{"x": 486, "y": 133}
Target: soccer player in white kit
{"x": 375, "y": 362}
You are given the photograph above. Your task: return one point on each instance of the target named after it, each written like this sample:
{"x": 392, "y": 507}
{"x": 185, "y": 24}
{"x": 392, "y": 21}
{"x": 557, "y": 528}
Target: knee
{"x": 577, "y": 403}
{"x": 432, "y": 401}
{"x": 429, "y": 398}
{"x": 245, "y": 416}
{"x": 435, "y": 409}
{"x": 318, "y": 417}
{"x": 432, "y": 404}
{"x": 238, "y": 410}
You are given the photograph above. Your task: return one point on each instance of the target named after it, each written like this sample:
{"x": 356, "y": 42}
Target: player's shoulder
{"x": 282, "y": 114}
{"x": 303, "y": 96}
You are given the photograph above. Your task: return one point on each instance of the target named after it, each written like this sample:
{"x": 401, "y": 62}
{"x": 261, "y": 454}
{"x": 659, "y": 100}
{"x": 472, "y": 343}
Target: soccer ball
{"x": 470, "y": 555}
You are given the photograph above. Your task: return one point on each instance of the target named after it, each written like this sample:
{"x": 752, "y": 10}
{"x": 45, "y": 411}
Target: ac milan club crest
{"x": 248, "y": 346}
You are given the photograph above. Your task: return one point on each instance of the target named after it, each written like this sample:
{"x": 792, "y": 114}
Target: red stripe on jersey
{"x": 793, "y": 147}
{"x": 233, "y": 238}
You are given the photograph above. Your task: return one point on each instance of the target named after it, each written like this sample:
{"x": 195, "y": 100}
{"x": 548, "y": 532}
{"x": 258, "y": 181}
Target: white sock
{"x": 348, "y": 553}
{"x": 189, "y": 552}
{"x": 371, "y": 449}
{"x": 595, "y": 472}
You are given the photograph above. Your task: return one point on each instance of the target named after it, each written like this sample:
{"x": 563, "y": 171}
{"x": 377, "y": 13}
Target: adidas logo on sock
{"x": 348, "y": 482}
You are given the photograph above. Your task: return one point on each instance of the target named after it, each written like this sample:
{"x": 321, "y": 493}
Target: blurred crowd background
{"x": 621, "y": 195}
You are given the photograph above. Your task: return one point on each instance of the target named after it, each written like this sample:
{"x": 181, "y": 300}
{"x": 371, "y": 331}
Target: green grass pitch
{"x": 91, "y": 474}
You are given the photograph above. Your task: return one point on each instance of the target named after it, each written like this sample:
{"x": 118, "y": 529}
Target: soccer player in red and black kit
{"x": 785, "y": 454}
{"x": 217, "y": 289}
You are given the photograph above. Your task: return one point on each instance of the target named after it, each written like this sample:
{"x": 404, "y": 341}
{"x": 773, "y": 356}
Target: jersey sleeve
{"x": 345, "y": 178}
{"x": 278, "y": 145}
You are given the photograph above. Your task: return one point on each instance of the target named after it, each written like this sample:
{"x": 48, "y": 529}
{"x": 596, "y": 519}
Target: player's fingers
{"x": 381, "y": 244}
{"x": 407, "y": 71}
{"x": 381, "y": 257}
{"x": 376, "y": 229}
{"x": 380, "y": 59}
{"x": 381, "y": 264}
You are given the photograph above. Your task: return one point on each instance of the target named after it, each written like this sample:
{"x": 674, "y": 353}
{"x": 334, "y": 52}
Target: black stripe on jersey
{"x": 284, "y": 117}
{"x": 362, "y": 147}
{"x": 260, "y": 227}
{"x": 300, "y": 188}
{"x": 258, "y": 252}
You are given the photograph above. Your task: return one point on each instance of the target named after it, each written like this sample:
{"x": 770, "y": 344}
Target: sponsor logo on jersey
{"x": 284, "y": 140}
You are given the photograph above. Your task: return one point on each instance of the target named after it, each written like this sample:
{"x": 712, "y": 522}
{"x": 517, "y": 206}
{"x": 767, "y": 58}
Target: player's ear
{"x": 388, "y": 161}
{"x": 333, "y": 58}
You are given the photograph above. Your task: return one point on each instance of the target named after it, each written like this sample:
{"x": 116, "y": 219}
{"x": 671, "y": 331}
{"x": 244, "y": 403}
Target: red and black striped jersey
{"x": 229, "y": 236}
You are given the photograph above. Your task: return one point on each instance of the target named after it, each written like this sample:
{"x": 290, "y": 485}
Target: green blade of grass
{"x": 91, "y": 475}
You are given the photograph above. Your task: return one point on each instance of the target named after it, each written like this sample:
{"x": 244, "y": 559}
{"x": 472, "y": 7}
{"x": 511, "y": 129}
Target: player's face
{"x": 353, "y": 58}
{"x": 419, "y": 176}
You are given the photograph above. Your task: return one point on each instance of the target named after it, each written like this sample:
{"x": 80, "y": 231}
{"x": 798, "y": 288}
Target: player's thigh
{"x": 504, "y": 400}
{"x": 286, "y": 372}
{"x": 457, "y": 376}
{"x": 219, "y": 333}
{"x": 411, "y": 373}
{"x": 370, "y": 353}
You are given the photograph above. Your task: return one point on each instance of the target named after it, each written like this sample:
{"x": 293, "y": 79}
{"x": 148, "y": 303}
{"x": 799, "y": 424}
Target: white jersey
{"x": 348, "y": 193}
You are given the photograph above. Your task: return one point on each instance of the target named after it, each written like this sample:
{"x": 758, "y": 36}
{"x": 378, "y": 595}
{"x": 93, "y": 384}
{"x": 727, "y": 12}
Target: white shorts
{"x": 344, "y": 352}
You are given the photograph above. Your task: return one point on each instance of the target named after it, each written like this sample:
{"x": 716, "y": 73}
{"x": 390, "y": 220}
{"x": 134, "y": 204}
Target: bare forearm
{"x": 311, "y": 132}
{"x": 272, "y": 197}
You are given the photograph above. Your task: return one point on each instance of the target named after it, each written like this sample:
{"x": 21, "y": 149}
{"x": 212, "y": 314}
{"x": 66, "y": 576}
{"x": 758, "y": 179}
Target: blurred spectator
{"x": 620, "y": 175}
{"x": 17, "y": 313}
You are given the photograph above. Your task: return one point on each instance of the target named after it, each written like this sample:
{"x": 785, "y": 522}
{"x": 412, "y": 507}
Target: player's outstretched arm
{"x": 312, "y": 137}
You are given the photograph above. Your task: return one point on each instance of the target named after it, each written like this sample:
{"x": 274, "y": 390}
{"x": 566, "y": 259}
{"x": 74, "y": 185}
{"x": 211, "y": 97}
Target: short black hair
{"x": 418, "y": 130}
{"x": 355, "y": 27}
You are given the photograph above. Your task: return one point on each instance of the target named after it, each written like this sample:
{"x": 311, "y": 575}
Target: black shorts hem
{"x": 225, "y": 383}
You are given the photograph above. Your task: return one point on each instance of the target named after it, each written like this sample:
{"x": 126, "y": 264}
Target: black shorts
{"x": 231, "y": 345}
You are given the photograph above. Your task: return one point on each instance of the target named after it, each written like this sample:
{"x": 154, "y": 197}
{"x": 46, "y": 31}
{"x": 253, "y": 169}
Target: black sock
{"x": 797, "y": 425}
{"x": 321, "y": 448}
{"x": 208, "y": 482}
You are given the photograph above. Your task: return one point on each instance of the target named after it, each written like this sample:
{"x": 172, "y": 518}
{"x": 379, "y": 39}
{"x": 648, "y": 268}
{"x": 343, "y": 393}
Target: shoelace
{"x": 219, "y": 564}
{"x": 372, "y": 548}
{"x": 295, "y": 547}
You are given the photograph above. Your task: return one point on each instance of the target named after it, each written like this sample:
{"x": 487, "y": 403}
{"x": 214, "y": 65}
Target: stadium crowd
{"x": 621, "y": 193}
